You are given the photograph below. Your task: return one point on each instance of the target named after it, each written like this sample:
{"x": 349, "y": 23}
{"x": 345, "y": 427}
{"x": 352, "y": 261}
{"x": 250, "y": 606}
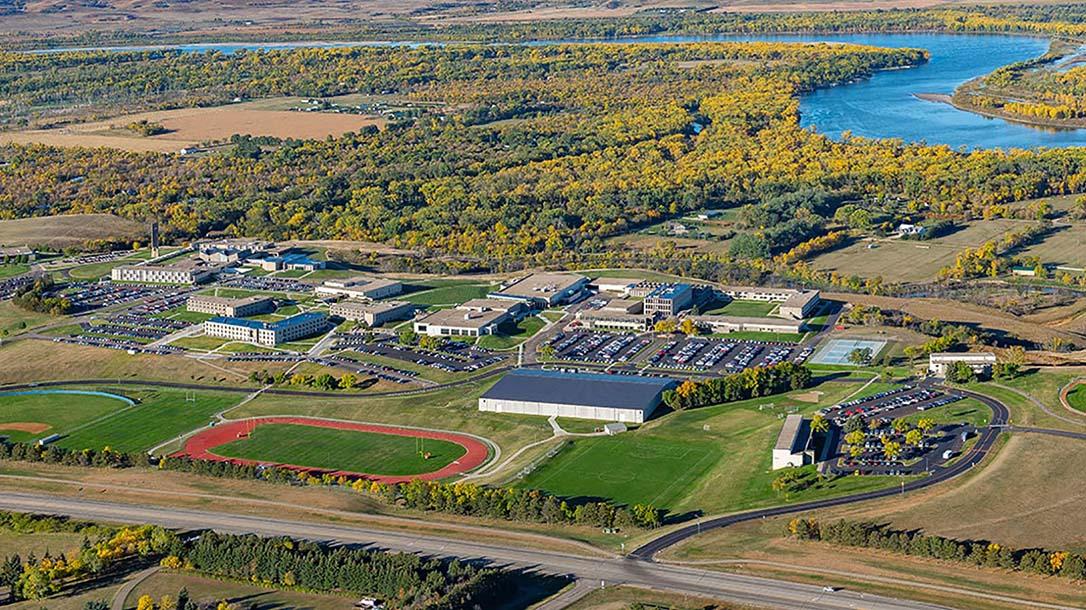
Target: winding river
{"x": 884, "y": 106}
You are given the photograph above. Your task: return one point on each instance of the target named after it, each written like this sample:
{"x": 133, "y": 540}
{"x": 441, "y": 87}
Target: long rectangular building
{"x": 268, "y": 334}
{"x": 161, "y": 274}
{"x": 729, "y": 324}
{"x": 361, "y": 288}
{"x": 795, "y": 304}
{"x": 372, "y": 314}
{"x": 231, "y": 308}
{"x": 620, "y": 398}
{"x": 543, "y": 289}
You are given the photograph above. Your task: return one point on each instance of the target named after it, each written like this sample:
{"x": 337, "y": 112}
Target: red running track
{"x": 201, "y": 445}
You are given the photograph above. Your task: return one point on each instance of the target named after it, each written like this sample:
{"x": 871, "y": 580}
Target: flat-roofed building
{"x": 361, "y": 288}
{"x": 17, "y": 253}
{"x": 980, "y": 362}
{"x": 624, "y": 306}
{"x": 373, "y": 314}
{"x": 793, "y": 448}
{"x": 668, "y": 300}
{"x": 610, "y": 320}
{"x": 231, "y": 308}
{"x": 266, "y": 333}
{"x": 618, "y": 398}
{"x": 515, "y": 309}
{"x": 461, "y": 323}
{"x": 617, "y": 285}
{"x": 187, "y": 272}
{"x": 795, "y": 304}
{"x": 731, "y": 324}
{"x": 544, "y": 289}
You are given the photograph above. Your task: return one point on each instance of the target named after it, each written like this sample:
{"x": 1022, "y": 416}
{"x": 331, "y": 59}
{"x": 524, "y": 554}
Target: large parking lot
{"x": 891, "y": 404}
{"x": 451, "y": 357}
{"x": 685, "y": 354}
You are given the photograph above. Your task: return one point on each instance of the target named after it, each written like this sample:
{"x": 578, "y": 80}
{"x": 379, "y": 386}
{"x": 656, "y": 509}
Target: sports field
{"x": 346, "y": 450}
{"x": 28, "y": 417}
{"x": 161, "y": 415}
{"x": 628, "y": 470}
{"x": 836, "y": 351}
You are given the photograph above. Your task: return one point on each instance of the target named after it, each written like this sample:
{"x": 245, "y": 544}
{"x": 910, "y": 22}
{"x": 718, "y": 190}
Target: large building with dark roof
{"x": 619, "y": 398}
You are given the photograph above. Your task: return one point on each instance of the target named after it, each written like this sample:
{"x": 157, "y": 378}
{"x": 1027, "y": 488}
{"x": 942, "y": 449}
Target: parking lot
{"x": 685, "y": 354}
{"x": 891, "y": 404}
{"x": 267, "y": 284}
{"x": 451, "y": 357}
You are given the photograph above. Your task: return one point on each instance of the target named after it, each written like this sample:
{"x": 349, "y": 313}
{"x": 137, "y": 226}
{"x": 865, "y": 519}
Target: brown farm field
{"x": 70, "y": 230}
{"x": 190, "y": 127}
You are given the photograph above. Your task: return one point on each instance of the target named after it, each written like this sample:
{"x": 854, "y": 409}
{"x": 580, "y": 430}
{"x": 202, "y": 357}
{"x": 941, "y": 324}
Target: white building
{"x": 231, "y": 308}
{"x": 618, "y": 285}
{"x": 268, "y": 334}
{"x": 730, "y": 324}
{"x": 793, "y": 448}
{"x": 980, "y": 362}
{"x": 162, "y": 274}
{"x": 543, "y": 289}
{"x": 361, "y": 288}
{"x": 795, "y": 304}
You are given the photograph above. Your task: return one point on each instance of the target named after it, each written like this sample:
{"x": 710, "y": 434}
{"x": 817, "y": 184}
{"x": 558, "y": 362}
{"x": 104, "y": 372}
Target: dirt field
{"x": 62, "y": 231}
{"x": 189, "y": 127}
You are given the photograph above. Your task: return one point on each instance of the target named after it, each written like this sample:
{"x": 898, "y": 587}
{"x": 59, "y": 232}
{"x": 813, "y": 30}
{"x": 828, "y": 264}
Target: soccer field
{"x": 334, "y": 449}
{"x": 628, "y": 470}
{"x": 26, "y": 417}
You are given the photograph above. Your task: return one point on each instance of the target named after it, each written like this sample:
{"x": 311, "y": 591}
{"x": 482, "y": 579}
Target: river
{"x": 884, "y": 106}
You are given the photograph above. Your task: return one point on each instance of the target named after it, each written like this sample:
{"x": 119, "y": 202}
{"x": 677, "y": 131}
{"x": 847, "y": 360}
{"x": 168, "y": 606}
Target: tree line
{"x": 748, "y": 383}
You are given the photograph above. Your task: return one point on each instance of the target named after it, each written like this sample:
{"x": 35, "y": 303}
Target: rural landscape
{"x": 536, "y": 304}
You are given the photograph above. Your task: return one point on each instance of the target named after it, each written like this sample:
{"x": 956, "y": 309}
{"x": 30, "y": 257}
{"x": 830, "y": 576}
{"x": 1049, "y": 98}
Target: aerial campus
{"x": 540, "y": 304}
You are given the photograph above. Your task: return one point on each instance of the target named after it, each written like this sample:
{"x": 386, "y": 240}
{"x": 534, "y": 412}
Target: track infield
{"x": 392, "y": 460}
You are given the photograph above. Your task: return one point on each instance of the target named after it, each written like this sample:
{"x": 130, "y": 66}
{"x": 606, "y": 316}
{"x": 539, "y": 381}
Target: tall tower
{"x": 154, "y": 239}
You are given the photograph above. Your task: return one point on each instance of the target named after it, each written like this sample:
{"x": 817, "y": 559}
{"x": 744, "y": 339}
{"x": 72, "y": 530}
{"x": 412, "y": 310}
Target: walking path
{"x": 122, "y": 594}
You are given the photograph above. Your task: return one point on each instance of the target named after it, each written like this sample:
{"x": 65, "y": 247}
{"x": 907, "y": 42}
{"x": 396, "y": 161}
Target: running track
{"x": 201, "y": 445}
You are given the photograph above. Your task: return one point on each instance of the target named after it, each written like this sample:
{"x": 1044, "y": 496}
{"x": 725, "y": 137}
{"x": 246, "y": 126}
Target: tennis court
{"x": 836, "y": 351}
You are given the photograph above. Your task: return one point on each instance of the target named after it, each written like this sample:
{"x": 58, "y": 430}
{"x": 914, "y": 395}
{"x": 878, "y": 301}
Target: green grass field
{"x": 14, "y": 320}
{"x": 161, "y": 415}
{"x": 755, "y": 335}
{"x": 446, "y": 295}
{"x": 1077, "y": 398}
{"x": 60, "y": 412}
{"x": 13, "y": 269}
{"x": 351, "y": 450}
{"x": 968, "y": 411}
{"x": 518, "y": 334}
{"x": 749, "y": 309}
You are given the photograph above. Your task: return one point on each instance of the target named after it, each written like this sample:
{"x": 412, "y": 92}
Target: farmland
{"x": 63, "y": 231}
{"x": 191, "y": 127}
{"x": 349, "y": 450}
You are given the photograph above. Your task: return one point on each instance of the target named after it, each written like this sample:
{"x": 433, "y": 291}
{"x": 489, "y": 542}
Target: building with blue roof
{"x": 618, "y": 398}
{"x": 668, "y": 300}
{"x": 266, "y": 333}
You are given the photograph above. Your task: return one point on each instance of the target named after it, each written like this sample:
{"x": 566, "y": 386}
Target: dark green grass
{"x": 447, "y": 295}
{"x": 968, "y": 411}
{"x": 1077, "y": 398}
{"x": 60, "y": 411}
{"x": 747, "y": 309}
{"x": 628, "y": 469}
{"x": 161, "y": 415}
{"x": 516, "y": 335}
{"x": 331, "y": 449}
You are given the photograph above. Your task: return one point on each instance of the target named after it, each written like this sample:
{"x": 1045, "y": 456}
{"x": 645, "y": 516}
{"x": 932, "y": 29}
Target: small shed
{"x": 614, "y": 428}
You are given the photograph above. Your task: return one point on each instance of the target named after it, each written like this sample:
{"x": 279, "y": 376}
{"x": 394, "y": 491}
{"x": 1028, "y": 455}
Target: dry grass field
{"x": 189, "y": 127}
{"x": 69, "y": 230}
{"x": 924, "y": 258}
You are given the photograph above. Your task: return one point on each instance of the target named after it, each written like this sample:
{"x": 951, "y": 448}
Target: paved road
{"x": 750, "y": 590}
{"x": 980, "y": 450}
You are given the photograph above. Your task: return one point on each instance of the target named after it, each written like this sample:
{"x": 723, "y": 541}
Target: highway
{"x": 741, "y": 589}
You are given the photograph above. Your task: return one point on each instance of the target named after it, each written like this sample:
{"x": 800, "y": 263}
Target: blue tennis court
{"x": 836, "y": 351}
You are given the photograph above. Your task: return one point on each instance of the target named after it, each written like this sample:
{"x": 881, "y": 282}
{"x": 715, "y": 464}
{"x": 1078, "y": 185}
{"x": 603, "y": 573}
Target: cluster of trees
{"x": 990, "y": 258}
{"x": 894, "y": 438}
{"x": 103, "y": 549}
{"x": 146, "y": 128}
{"x": 324, "y": 381}
{"x": 39, "y": 296}
{"x": 512, "y": 504}
{"x": 748, "y": 383}
{"x": 407, "y": 336}
{"x": 400, "y": 580}
{"x": 867, "y": 534}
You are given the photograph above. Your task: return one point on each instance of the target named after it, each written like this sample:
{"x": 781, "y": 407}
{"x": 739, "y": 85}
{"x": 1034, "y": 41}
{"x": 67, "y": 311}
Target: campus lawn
{"x": 21, "y": 416}
{"x": 748, "y": 309}
{"x": 97, "y": 270}
{"x": 351, "y": 450}
{"x": 13, "y": 269}
{"x": 968, "y": 411}
{"x": 210, "y": 591}
{"x": 14, "y": 320}
{"x": 446, "y": 295}
{"x": 756, "y": 335}
{"x": 200, "y": 342}
{"x": 181, "y": 314}
{"x": 524, "y": 330}
{"x": 714, "y": 459}
{"x": 1077, "y": 398}
{"x": 161, "y": 415}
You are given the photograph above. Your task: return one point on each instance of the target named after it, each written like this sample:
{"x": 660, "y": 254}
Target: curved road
{"x": 1000, "y": 416}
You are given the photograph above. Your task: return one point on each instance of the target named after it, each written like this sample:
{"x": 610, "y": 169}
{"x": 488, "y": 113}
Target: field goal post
{"x": 190, "y": 396}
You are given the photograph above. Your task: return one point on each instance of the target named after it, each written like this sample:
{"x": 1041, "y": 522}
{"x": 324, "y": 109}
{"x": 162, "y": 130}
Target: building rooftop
{"x": 541, "y": 285}
{"x": 670, "y": 291}
{"x": 359, "y": 281}
{"x": 277, "y": 325}
{"x": 462, "y": 318}
{"x": 795, "y": 434}
{"x": 210, "y": 298}
{"x": 374, "y": 307}
{"x": 617, "y": 281}
{"x": 747, "y": 320}
{"x": 492, "y": 304}
{"x": 586, "y": 389}
{"x": 973, "y": 356}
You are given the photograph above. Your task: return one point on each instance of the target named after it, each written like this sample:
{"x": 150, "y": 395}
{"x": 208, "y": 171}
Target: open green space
{"x": 13, "y": 269}
{"x": 746, "y": 309}
{"x": 160, "y": 415}
{"x": 1077, "y": 398}
{"x": 714, "y": 459}
{"x": 350, "y": 450}
{"x": 28, "y": 417}
{"x": 200, "y": 342}
{"x": 756, "y": 335}
{"x": 516, "y": 335}
{"x": 14, "y": 320}
{"x": 97, "y": 270}
{"x": 445, "y": 295}
{"x": 968, "y": 411}
{"x": 208, "y": 592}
